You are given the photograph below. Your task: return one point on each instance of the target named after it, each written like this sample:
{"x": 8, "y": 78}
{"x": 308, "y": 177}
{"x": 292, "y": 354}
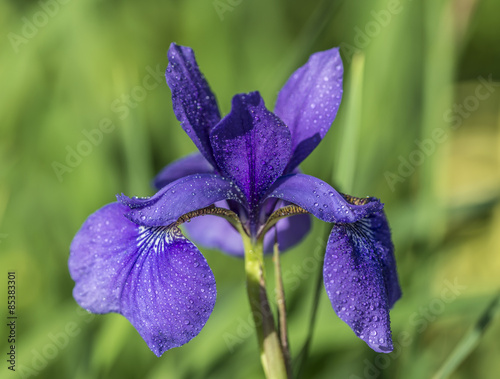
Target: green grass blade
{"x": 348, "y": 152}
{"x": 470, "y": 340}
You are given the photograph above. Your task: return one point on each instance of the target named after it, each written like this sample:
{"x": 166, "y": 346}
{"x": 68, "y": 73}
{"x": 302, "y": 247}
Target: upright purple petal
{"x": 194, "y": 103}
{"x": 360, "y": 280}
{"x": 180, "y": 197}
{"x": 154, "y": 277}
{"x": 309, "y": 101}
{"x": 320, "y": 199}
{"x": 189, "y": 165}
{"x": 251, "y": 146}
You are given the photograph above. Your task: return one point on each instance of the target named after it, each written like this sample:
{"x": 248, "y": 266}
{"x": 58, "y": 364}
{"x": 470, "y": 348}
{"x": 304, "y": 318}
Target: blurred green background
{"x": 419, "y": 127}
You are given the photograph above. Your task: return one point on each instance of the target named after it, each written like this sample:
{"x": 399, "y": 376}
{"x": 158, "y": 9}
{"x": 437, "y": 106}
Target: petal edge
{"x": 320, "y": 199}
{"x": 360, "y": 282}
{"x": 185, "y": 195}
{"x": 154, "y": 277}
{"x": 251, "y": 145}
{"x": 194, "y": 103}
{"x": 189, "y": 165}
{"x": 309, "y": 101}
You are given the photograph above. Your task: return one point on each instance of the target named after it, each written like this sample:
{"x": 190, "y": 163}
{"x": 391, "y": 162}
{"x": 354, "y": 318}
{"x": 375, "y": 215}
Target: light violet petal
{"x": 189, "y": 165}
{"x": 309, "y": 101}
{"x": 291, "y": 231}
{"x": 154, "y": 277}
{"x": 216, "y": 233}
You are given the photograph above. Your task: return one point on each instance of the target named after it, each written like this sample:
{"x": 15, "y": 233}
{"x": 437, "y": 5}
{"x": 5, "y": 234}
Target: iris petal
{"x": 154, "y": 277}
{"x": 320, "y": 199}
{"x": 251, "y": 146}
{"x": 379, "y": 227}
{"x": 360, "y": 280}
{"x": 189, "y": 165}
{"x": 194, "y": 103}
{"x": 291, "y": 231}
{"x": 309, "y": 101}
{"x": 216, "y": 233}
{"x": 180, "y": 197}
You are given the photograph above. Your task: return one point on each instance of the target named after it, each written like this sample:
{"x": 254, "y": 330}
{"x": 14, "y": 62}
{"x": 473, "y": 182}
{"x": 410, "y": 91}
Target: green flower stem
{"x": 271, "y": 350}
{"x": 271, "y": 353}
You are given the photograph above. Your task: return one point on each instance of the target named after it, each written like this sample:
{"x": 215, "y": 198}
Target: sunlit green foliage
{"x": 66, "y": 68}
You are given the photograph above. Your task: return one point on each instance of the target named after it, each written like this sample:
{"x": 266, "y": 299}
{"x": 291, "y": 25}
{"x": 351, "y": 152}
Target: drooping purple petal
{"x": 320, "y": 199}
{"x": 216, "y": 233}
{"x": 190, "y": 165}
{"x": 194, "y": 103}
{"x": 185, "y": 195}
{"x": 251, "y": 145}
{"x": 377, "y": 223}
{"x": 360, "y": 281}
{"x": 154, "y": 277}
{"x": 309, "y": 101}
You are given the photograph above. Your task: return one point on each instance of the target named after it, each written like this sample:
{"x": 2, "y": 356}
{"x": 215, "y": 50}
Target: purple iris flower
{"x": 130, "y": 257}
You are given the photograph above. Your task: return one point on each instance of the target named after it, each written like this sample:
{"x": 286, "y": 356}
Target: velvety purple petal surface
{"x": 360, "y": 281}
{"x": 194, "y": 103}
{"x": 189, "y": 165}
{"x": 154, "y": 277}
{"x": 378, "y": 225}
{"x": 320, "y": 199}
{"x": 251, "y": 145}
{"x": 185, "y": 195}
{"x": 309, "y": 101}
